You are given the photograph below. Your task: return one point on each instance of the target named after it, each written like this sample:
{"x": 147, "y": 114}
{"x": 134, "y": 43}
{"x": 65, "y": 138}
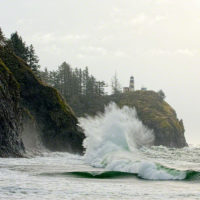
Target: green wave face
{"x": 93, "y": 174}
{"x": 101, "y": 175}
{"x": 190, "y": 175}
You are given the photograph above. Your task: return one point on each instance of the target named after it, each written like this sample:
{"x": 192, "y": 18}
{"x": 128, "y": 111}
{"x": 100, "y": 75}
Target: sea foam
{"x": 113, "y": 139}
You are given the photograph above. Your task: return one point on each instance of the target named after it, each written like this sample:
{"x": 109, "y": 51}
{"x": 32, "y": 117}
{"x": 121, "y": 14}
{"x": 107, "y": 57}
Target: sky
{"x": 156, "y": 41}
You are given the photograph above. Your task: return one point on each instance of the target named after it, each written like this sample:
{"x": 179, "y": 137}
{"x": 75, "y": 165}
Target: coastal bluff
{"x": 158, "y": 115}
{"x": 10, "y": 115}
{"x": 24, "y": 92}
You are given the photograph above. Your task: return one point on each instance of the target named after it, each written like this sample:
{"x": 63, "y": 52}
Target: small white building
{"x": 143, "y": 88}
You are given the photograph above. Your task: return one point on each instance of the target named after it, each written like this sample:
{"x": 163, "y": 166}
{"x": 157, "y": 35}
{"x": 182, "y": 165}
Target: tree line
{"x": 73, "y": 82}
{"x": 16, "y": 44}
{"x": 82, "y": 91}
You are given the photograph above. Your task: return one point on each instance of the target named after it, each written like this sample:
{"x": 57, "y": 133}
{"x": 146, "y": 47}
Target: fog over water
{"x": 156, "y": 41}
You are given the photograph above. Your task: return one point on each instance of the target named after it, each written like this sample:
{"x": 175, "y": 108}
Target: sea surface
{"x": 119, "y": 162}
{"x": 59, "y": 176}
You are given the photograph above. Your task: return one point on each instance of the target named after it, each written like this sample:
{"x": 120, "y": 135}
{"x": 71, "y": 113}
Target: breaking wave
{"x": 113, "y": 142}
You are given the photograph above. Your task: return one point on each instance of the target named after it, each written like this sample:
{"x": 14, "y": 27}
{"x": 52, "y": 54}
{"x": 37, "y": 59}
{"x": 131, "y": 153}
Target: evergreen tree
{"x": 81, "y": 90}
{"x": 99, "y": 86}
{"x": 90, "y": 86}
{"x": 85, "y": 78}
{"x": 65, "y": 76}
{"x": 116, "y": 88}
{"x": 18, "y": 46}
{"x": 32, "y": 59}
{"x": 53, "y": 79}
{"x": 77, "y": 79}
{"x": 44, "y": 75}
{"x": 161, "y": 94}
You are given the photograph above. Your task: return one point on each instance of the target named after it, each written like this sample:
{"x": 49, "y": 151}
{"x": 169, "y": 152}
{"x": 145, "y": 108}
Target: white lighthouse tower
{"x": 131, "y": 85}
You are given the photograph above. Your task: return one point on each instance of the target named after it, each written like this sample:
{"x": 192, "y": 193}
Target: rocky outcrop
{"x": 158, "y": 115}
{"x": 54, "y": 118}
{"x": 10, "y": 115}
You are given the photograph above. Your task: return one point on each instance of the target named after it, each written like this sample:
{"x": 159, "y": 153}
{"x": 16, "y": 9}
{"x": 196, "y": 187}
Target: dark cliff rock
{"x": 10, "y": 115}
{"x": 53, "y": 116}
{"x": 158, "y": 115}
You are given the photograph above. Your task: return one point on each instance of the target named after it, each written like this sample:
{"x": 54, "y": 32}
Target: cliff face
{"x": 53, "y": 116}
{"x": 158, "y": 115}
{"x": 10, "y": 115}
{"x": 54, "y": 120}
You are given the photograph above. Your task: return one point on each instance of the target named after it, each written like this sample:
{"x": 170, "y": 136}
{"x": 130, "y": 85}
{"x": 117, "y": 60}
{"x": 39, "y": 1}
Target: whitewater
{"x": 113, "y": 140}
{"x": 119, "y": 163}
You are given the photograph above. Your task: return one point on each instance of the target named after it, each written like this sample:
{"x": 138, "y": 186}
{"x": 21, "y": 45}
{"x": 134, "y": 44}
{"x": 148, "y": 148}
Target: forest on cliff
{"x": 83, "y": 92}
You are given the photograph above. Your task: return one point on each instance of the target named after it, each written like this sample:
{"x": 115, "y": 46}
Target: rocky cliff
{"x": 54, "y": 118}
{"x": 22, "y": 94}
{"x": 10, "y": 115}
{"x": 158, "y": 115}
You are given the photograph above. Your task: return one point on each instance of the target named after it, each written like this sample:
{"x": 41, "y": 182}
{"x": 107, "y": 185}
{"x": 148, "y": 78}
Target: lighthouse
{"x": 131, "y": 85}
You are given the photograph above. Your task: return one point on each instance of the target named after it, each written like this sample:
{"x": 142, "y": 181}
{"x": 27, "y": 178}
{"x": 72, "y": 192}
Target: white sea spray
{"x": 113, "y": 140}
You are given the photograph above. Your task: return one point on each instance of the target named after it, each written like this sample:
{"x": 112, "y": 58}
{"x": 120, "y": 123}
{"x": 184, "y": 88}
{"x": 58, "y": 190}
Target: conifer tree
{"x": 81, "y": 90}
{"x": 85, "y": 80}
{"x": 65, "y": 76}
{"x": 32, "y": 59}
{"x": 116, "y": 88}
{"x": 99, "y": 86}
{"x": 44, "y": 75}
{"x": 18, "y": 46}
{"x": 161, "y": 94}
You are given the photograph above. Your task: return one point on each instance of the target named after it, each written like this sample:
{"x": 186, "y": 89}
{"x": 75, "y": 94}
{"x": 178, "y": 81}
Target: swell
{"x": 190, "y": 174}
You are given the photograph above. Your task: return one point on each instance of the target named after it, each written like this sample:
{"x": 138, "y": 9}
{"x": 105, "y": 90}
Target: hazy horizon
{"x": 156, "y": 41}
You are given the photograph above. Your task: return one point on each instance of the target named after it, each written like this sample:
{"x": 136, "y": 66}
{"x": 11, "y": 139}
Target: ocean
{"x": 59, "y": 176}
{"x": 119, "y": 163}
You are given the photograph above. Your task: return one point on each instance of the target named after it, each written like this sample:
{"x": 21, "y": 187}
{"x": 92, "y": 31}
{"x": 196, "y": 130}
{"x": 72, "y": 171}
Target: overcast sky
{"x": 156, "y": 41}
